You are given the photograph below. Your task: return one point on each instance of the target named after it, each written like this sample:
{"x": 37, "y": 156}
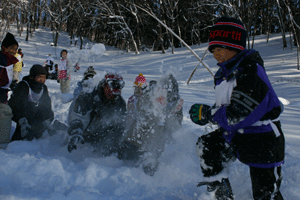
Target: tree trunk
{"x": 27, "y": 32}
{"x": 56, "y": 38}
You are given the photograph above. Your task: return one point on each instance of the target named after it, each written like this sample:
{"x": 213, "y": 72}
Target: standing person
{"x": 64, "y": 72}
{"x": 54, "y": 74}
{"x": 247, "y": 112}
{"x": 9, "y": 47}
{"x": 31, "y": 105}
{"x": 49, "y": 64}
{"x": 20, "y": 51}
{"x": 17, "y": 70}
{"x": 98, "y": 117}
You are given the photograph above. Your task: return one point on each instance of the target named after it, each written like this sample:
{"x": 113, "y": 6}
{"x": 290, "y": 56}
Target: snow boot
{"x": 222, "y": 189}
{"x": 5, "y": 125}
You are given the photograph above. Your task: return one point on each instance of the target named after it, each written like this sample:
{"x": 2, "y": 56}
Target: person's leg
{"x": 266, "y": 183}
{"x": 214, "y": 153}
{"x": 5, "y": 123}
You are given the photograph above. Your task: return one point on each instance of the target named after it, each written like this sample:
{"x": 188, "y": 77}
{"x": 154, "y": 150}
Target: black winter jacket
{"x": 35, "y": 113}
{"x": 102, "y": 121}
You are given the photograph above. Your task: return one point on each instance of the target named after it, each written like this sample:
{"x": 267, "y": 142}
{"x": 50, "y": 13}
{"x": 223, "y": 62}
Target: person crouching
{"x": 31, "y": 105}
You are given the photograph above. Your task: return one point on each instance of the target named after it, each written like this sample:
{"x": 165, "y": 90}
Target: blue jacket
{"x": 250, "y": 114}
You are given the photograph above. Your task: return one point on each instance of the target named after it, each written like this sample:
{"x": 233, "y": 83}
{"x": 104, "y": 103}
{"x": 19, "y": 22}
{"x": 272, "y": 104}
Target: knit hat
{"x": 140, "y": 81}
{"x": 9, "y": 40}
{"x": 228, "y": 33}
{"x": 90, "y": 72}
{"x": 37, "y": 70}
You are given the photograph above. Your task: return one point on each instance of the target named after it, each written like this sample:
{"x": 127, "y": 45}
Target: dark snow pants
{"x": 215, "y": 153}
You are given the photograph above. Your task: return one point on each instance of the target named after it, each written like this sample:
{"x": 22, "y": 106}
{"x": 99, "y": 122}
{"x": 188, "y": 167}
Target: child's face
{"x": 222, "y": 54}
{"x": 41, "y": 78}
{"x": 12, "y": 50}
{"x": 64, "y": 54}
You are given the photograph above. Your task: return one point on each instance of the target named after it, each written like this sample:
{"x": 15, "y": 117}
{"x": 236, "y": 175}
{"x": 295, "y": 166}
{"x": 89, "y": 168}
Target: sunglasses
{"x": 116, "y": 84}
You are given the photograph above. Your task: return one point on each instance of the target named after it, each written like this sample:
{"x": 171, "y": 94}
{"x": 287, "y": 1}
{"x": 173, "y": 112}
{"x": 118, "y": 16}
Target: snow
{"x": 44, "y": 169}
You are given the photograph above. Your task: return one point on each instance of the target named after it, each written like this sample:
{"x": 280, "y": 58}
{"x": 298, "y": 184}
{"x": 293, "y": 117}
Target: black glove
{"x": 75, "y": 139}
{"x": 25, "y": 127}
{"x": 200, "y": 114}
{"x": 75, "y": 127}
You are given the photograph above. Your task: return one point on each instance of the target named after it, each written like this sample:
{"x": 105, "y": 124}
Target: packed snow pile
{"x": 98, "y": 49}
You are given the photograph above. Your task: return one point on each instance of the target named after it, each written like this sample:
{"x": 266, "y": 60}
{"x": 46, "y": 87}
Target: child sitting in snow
{"x": 153, "y": 115}
{"x": 98, "y": 116}
{"x": 31, "y": 105}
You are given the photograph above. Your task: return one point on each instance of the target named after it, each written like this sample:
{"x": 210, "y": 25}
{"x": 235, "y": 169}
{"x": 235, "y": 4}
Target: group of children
{"x": 246, "y": 113}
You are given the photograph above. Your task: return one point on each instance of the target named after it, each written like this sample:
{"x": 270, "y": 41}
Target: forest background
{"x": 125, "y": 25}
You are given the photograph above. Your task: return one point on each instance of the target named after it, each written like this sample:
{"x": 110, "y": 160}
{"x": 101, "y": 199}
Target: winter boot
{"x": 5, "y": 124}
{"x": 222, "y": 189}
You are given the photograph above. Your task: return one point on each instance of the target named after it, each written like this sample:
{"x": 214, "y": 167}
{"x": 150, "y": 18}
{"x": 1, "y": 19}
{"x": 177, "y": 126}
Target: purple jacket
{"x": 249, "y": 112}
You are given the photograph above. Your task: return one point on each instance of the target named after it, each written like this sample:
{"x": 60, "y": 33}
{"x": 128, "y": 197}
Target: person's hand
{"x": 74, "y": 141}
{"x": 200, "y": 114}
{"x": 25, "y": 127}
{"x": 49, "y": 126}
{"x": 68, "y": 77}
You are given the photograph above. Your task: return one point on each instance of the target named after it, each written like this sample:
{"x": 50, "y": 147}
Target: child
{"x": 17, "y": 69}
{"x": 31, "y": 105}
{"x": 154, "y": 113}
{"x": 49, "y": 64}
{"x": 22, "y": 55}
{"x": 9, "y": 48}
{"x": 64, "y": 72}
{"x": 89, "y": 73}
{"x": 54, "y": 74}
{"x": 139, "y": 85}
{"x": 246, "y": 110}
{"x": 98, "y": 116}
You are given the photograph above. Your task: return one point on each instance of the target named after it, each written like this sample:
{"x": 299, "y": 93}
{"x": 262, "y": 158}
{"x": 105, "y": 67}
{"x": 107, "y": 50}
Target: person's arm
{"x": 19, "y": 103}
{"x": 3, "y": 77}
{"x": 44, "y": 111}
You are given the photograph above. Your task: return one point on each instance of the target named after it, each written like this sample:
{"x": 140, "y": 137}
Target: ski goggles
{"x": 116, "y": 84}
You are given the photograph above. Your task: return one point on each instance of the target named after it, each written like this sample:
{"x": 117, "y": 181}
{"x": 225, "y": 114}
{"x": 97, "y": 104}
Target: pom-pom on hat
{"x": 228, "y": 33}
{"x": 140, "y": 81}
{"x": 9, "y": 40}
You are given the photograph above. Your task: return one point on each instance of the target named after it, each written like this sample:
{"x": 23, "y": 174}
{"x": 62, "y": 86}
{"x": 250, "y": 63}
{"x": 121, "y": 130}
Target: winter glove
{"x": 57, "y": 125}
{"x": 75, "y": 139}
{"x": 25, "y": 127}
{"x": 49, "y": 127}
{"x": 75, "y": 127}
{"x": 200, "y": 114}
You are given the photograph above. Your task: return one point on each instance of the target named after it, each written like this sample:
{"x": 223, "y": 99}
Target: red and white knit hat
{"x": 140, "y": 81}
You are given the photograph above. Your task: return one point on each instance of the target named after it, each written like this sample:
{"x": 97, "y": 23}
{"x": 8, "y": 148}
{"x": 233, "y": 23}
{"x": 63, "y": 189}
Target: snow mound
{"x": 98, "y": 49}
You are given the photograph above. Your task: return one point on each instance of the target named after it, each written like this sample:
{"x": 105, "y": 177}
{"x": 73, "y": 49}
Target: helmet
{"x": 112, "y": 84}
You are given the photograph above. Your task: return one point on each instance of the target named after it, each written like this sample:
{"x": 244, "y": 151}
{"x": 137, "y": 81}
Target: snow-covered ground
{"x": 43, "y": 169}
